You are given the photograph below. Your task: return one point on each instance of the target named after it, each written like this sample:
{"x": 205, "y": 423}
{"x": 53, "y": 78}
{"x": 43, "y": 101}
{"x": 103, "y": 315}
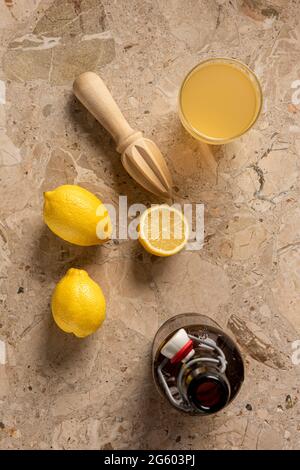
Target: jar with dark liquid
{"x": 196, "y": 365}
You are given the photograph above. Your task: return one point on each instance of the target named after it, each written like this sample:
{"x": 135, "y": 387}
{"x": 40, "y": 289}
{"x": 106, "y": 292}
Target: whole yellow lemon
{"x": 76, "y": 215}
{"x": 78, "y": 303}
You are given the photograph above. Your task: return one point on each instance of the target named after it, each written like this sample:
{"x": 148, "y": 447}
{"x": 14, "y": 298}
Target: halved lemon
{"x": 163, "y": 230}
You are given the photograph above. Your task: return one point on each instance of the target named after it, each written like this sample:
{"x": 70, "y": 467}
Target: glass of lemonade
{"x": 219, "y": 100}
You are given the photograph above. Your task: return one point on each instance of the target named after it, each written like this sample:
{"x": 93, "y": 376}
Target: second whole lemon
{"x": 78, "y": 304}
{"x": 76, "y": 215}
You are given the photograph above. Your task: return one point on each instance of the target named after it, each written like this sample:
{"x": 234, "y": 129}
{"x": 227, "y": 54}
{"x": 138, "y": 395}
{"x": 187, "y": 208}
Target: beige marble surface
{"x": 62, "y": 393}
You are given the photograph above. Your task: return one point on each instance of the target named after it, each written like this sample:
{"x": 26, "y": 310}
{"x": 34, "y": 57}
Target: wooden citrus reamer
{"x": 140, "y": 156}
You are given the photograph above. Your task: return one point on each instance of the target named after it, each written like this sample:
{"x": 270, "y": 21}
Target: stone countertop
{"x": 60, "y": 392}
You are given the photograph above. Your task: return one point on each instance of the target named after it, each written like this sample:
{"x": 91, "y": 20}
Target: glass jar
{"x": 196, "y": 366}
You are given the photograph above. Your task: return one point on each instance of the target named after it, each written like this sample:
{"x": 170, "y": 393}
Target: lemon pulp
{"x": 163, "y": 230}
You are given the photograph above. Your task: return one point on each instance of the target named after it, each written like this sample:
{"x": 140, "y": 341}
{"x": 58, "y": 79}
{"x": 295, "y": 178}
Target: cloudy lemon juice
{"x": 219, "y": 100}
